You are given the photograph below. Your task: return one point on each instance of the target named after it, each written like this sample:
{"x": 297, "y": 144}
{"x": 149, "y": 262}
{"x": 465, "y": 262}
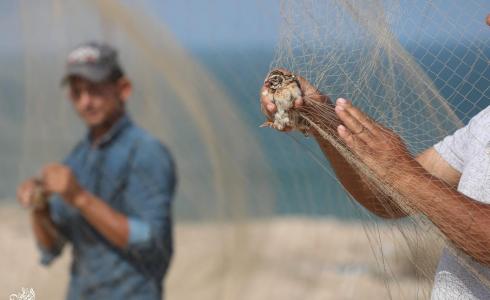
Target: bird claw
{"x": 273, "y": 125}
{"x": 267, "y": 124}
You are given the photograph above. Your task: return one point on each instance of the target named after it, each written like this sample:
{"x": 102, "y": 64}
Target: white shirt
{"x": 468, "y": 150}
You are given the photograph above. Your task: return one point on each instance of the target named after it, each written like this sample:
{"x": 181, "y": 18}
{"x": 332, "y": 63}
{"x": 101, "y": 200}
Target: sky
{"x": 10, "y": 26}
{"x": 227, "y": 23}
{"x": 251, "y": 23}
{"x": 255, "y": 23}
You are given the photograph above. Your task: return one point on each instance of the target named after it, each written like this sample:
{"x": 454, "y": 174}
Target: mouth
{"x": 90, "y": 114}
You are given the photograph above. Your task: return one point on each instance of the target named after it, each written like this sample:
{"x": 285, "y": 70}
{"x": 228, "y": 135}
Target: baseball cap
{"x": 97, "y": 62}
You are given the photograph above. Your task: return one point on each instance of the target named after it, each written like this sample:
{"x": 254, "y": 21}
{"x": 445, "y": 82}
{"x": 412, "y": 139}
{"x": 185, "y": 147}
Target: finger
{"x": 361, "y": 117}
{"x": 266, "y": 100}
{"x": 21, "y": 196}
{"x": 25, "y": 197}
{"x": 306, "y": 86}
{"x": 46, "y": 177}
{"x": 48, "y": 171}
{"x": 346, "y": 135}
{"x": 310, "y": 92}
{"x": 351, "y": 140}
{"x": 349, "y": 121}
{"x": 28, "y": 200}
{"x": 352, "y": 123}
{"x": 267, "y": 115}
{"x": 298, "y": 102}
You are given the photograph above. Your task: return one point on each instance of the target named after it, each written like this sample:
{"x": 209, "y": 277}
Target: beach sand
{"x": 279, "y": 258}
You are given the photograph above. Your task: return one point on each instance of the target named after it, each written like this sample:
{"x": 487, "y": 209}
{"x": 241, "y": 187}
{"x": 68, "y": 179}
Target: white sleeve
{"x": 454, "y": 148}
{"x": 457, "y": 148}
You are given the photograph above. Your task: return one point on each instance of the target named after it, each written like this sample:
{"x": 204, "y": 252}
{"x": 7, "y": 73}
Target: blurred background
{"x": 258, "y": 214}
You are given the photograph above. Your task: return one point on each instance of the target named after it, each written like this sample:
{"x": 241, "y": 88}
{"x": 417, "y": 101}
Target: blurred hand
{"x": 58, "y": 178}
{"x": 27, "y": 194}
{"x": 309, "y": 92}
{"x": 382, "y": 150}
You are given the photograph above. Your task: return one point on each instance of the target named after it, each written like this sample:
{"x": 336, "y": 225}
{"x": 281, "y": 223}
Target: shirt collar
{"x": 122, "y": 123}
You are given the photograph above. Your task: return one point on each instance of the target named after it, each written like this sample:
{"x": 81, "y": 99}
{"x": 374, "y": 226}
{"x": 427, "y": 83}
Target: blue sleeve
{"x": 59, "y": 216}
{"x": 149, "y": 194}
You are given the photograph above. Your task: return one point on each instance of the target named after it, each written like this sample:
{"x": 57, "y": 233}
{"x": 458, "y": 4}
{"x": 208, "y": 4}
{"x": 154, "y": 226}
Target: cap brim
{"x": 92, "y": 73}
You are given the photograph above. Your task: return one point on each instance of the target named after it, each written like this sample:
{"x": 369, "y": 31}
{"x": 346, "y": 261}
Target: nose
{"x": 84, "y": 99}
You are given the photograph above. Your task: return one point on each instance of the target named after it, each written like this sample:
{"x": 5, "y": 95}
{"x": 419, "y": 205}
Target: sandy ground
{"x": 281, "y": 258}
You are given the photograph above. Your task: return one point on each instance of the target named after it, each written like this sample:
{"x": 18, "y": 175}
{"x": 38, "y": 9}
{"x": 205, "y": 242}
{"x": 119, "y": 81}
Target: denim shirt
{"x": 134, "y": 174}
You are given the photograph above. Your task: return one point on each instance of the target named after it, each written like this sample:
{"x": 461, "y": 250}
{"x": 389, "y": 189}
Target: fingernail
{"x": 341, "y": 101}
{"x": 342, "y": 131}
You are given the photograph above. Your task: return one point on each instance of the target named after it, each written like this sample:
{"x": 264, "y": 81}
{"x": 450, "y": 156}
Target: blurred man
{"x": 112, "y": 196}
{"x": 449, "y": 183}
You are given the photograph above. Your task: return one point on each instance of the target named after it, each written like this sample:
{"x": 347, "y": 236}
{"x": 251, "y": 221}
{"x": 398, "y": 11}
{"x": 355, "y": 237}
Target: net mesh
{"x": 376, "y": 54}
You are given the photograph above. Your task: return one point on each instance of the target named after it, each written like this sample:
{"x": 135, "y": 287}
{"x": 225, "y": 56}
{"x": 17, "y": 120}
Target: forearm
{"x": 464, "y": 221}
{"x": 44, "y": 229}
{"x": 349, "y": 177}
{"x": 110, "y": 223}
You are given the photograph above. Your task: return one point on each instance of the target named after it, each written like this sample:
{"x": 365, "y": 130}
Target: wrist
{"x": 80, "y": 199}
{"x": 411, "y": 181}
{"x": 72, "y": 193}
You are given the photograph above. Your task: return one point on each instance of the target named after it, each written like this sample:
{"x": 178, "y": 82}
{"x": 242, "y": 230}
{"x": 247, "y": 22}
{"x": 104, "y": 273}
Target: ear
{"x": 125, "y": 88}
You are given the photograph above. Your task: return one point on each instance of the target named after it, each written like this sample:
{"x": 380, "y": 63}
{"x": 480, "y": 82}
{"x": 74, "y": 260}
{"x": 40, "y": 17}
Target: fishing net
{"x": 387, "y": 61}
{"x": 259, "y": 215}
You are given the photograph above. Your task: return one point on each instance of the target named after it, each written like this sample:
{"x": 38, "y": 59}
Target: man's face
{"x": 97, "y": 104}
